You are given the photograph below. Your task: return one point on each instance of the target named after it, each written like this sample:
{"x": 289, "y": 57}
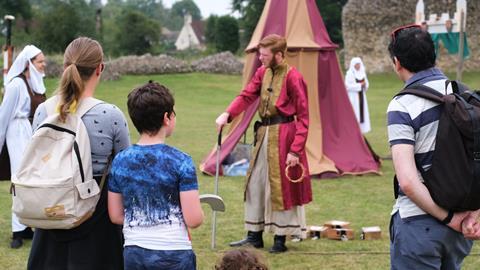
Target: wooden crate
{"x": 340, "y": 234}
{"x": 371, "y": 233}
{"x": 337, "y": 224}
{"x": 316, "y": 232}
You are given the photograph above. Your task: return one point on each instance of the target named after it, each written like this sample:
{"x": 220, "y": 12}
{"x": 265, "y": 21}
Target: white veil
{"x": 18, "y": 66}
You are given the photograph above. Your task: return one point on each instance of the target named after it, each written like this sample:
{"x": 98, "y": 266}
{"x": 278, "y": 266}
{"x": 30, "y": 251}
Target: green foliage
{"x": 60, "y": 22}
{"x": 180, "y": 7}
{"x": 174, "y": 19}
{"x": 136, "y": 34}
{"x": 250, "y": 11}
{"x": 226, "y": 34}
{"x": 16, "y": 8}
{"x": 110, "y": 13}
{"x": 151, "y": 8}
{"x": 210, "y": 29}
{"x": 173, "y": 22}
{"x": 331, "y": 11}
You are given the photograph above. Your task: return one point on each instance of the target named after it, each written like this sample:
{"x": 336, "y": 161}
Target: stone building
{"x": 367, "y": 24}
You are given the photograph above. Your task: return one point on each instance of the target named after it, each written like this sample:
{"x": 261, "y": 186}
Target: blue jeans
{"x": 422, "y": 242}
{"x": 136, "y": 258}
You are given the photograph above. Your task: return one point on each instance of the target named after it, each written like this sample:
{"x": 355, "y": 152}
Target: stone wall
{"x": 367, "y": 24}
{"x": 225, "y": 63}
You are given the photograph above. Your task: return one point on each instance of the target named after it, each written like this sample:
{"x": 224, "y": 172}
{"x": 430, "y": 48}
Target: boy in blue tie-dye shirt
{"x": 153, "y": 190}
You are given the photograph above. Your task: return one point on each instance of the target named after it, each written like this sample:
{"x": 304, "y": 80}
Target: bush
{"x": 137, "y": 34}
{"x": 226, "y": 34}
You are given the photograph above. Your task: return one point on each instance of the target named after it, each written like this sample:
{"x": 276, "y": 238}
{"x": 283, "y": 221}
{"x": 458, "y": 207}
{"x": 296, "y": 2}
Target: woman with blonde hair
{"x": 96, "y": 243}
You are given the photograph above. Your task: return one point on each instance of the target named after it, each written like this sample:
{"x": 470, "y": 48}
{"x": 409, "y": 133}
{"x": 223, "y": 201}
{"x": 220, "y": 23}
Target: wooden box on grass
{"x": 371, "y": 233}
{"x": 337, "y": 224}
{"x": 316, "y": 232}
{"x": 340, "y": 234}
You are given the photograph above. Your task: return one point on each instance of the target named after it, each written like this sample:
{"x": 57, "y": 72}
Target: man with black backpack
{"x": 424, "y": 235}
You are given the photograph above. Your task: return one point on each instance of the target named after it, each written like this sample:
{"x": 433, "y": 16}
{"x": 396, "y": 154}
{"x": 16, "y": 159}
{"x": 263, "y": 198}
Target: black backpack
{"x": 453, "y": 180}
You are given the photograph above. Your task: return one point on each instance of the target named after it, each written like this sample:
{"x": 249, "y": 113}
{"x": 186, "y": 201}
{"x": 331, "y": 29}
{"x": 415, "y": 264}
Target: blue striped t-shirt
{"x": 414, "y": 120}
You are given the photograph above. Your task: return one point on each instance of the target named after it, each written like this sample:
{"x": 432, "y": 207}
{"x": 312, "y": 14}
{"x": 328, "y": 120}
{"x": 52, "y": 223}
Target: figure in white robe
{"x": 15, "y": 110}
{"x": 356, "y": 82}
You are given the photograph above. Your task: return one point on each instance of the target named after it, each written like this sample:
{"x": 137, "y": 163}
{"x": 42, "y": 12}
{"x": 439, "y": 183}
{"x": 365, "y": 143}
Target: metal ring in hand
{"x": 300, "y": 179}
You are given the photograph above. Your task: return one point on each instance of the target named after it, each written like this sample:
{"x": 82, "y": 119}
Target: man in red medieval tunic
{"x": 274, "y": 201}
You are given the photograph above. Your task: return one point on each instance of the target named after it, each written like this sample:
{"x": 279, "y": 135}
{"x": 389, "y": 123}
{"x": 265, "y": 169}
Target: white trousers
{"x": 259, "y": 215}
{"x": 18, "y": 136}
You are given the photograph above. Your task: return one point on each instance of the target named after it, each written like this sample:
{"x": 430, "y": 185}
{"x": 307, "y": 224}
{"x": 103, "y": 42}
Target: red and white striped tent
{"x": 335, "y": 145}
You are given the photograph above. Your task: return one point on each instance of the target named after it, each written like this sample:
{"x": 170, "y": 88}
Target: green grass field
{"x": 362, "y": 200}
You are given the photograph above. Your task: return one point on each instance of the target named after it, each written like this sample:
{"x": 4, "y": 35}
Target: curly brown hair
{"x": 242, "y": 259}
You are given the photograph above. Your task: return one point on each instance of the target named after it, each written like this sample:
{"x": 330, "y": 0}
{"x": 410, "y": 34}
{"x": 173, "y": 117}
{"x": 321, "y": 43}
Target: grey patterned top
{"x": 107, "y": 129}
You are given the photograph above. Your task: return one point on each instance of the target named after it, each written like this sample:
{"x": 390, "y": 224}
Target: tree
{"x": 180, "y": 7}
{"x": 331, "y": 11}
{"x": 226, "y": 34}
{"x": 151, "y": 8}
{"x": 16, "y": 7}
{"x": 96, "y": 4}
{"x": 60, "y": 22}
{"x": 210, "y": 29}
{"x": 250, "y": 11}
{"x": 137, "y": 34}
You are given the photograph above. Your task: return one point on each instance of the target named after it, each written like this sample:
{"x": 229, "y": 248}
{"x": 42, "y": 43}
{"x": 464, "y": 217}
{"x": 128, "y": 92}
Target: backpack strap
{"x": 51, "y": 105}
{"x": 107, "y": 170}
{"x": 422, "y": 91}
{"x": 83, "y": 107}
{"x": 425, "y": 92}
{"x": 86, "y": 104}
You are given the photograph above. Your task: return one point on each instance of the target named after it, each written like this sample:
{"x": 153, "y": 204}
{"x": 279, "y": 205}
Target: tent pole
{"x": 8, "y": 48}
{"x": 461, "y": 47}
{"x": 217, "y": 173}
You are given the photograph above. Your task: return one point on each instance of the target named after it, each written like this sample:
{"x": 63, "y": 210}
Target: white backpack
{"x": 54, "y": 186}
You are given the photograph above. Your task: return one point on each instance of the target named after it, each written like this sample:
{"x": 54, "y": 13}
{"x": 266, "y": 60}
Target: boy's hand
{"x": 222, "y": 120}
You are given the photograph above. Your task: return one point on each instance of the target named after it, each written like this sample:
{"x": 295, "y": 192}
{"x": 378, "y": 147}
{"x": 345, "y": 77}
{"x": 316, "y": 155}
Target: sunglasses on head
{"x": 396, "y": 31}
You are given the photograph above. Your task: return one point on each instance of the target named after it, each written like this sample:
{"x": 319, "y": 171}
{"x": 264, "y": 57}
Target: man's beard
{"x": 273, "y": 63}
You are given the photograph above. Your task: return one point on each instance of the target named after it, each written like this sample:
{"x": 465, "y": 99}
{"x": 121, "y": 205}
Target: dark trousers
{"x": 97, "y": 244}
{"x": 422, "y": 242}
{"x": 137, "y": 258}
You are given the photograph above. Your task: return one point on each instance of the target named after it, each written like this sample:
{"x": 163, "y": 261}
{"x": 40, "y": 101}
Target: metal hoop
{"x": 300, "y": 179}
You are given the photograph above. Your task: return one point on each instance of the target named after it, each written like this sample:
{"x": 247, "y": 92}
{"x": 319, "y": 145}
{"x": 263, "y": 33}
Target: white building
{"x": 191, "y": 35}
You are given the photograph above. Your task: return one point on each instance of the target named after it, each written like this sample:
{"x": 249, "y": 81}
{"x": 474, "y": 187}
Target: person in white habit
{"x": 24, "y": 90}
{"x": 356, "y": 82}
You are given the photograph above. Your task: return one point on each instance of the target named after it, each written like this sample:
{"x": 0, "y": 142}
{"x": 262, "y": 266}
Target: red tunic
{"x": 290, "y": 99}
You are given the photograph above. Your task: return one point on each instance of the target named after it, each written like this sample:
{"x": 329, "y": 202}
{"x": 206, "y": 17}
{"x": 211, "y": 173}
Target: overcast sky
{"x": 208, "y": 7}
